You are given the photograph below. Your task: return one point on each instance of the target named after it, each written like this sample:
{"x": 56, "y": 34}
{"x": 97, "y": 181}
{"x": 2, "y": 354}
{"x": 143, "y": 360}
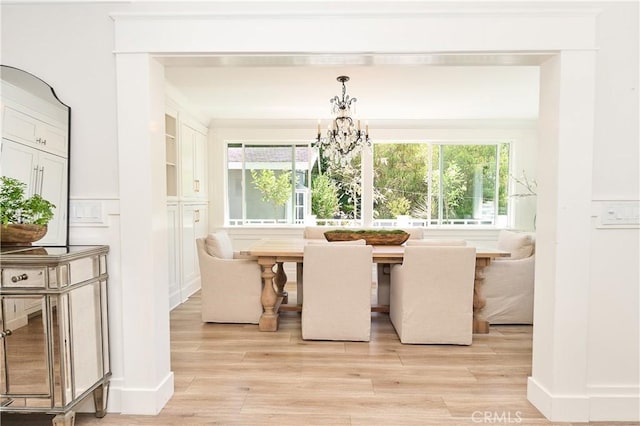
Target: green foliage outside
{"x": 347, "y": 180}
{"x": 16, "y": 208}
{"x": 398, "y": 205}
{"x": 324, "y": 197}
{"x": 276, "y": 190}
{"x": 401, "y": 174}
{"x": 455, "y": 185}
{"x": 461, "y": 164}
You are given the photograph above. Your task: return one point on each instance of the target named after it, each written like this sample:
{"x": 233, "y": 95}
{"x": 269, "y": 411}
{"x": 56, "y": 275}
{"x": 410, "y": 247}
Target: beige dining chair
{"x": 231, "y": 283}
{"x": 436, "y": 242}
{"x": 508, "y": 285}
{"x": 431, "y": 297}
{"x": 337, "y": 292}
{"x": 415, "y": 238}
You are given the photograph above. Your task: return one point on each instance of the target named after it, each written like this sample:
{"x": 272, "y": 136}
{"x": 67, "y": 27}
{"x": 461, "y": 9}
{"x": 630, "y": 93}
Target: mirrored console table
{"x": 54, "y": 338}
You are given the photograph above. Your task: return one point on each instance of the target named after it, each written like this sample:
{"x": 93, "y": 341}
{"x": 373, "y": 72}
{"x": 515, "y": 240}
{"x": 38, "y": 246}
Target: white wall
{"x": 614, "y": 290}
{"x": 73, "y": 52}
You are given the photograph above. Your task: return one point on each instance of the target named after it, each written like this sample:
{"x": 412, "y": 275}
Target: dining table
{"x": 273, "y": 253}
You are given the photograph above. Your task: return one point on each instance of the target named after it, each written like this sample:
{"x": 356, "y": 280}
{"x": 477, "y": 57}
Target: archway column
{"x": 148, "y": 382}
{"x": 558, "y": 385}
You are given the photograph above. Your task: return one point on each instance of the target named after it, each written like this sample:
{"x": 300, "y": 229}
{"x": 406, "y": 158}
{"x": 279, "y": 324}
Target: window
{"x": 440, "y": 184}
{"x": 268, "y": 184}
{"x": 414, "y": 184}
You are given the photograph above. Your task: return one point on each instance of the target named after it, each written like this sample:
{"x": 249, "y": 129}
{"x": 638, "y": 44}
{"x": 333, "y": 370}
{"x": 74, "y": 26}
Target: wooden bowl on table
{"x": 385, "y": 237}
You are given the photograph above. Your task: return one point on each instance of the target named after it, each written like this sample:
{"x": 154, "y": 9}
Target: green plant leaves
{"x": 15, "y": 208}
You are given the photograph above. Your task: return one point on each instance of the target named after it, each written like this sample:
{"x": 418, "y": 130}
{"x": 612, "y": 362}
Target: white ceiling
{"x": 407, "y": 88}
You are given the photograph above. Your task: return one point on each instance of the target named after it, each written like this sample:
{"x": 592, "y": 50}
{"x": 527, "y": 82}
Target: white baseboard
{"x": 602, "y": 403}
{"x": 614, "y": 403}
{"x": 141, "y": 401}
{"x": 190, "y": 288}
{"x": 16, "y": 323}
{"x": 174, "y": 299}
{"x": 558, "y": 408}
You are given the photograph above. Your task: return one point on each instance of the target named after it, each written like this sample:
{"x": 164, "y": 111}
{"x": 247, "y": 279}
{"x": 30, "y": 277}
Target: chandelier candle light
{"x": 343, "y": 141}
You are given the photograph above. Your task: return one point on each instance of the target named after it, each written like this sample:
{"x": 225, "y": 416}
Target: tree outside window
{"x": 268, "y": 184}
{"x": 441, "y": 184}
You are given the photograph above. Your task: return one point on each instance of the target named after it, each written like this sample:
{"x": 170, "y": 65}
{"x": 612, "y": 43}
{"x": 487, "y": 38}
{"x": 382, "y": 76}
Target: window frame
{"x": 291, "y": 207}
{"x": 366, "y": 200}
{"x": 497, "y": 142}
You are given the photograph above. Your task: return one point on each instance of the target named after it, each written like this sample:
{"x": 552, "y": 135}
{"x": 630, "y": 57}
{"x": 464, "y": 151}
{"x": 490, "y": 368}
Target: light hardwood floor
{"x": 228, "y": 374}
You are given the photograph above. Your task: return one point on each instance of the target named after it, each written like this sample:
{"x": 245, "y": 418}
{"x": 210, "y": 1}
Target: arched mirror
{"x": 35, "y": 145}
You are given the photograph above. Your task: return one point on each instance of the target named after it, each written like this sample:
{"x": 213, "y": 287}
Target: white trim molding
{"x": 146, "y": 401}
{"x": 601, "y": 403}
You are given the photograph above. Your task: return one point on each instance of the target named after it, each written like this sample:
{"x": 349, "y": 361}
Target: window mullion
{"x": 294, "y": 199}
{"x": 496, "y": 197}
{"x": 244, "y": 190}
{"x": 440, "y": 185}
{"x": 429, "y": 182}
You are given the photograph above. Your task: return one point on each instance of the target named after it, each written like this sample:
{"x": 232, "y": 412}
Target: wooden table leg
{"x": 480, "y": 324}
{"x": 281, "y": 280}
{"x": 269, "y": 319}
{"x": 299, "y": 286}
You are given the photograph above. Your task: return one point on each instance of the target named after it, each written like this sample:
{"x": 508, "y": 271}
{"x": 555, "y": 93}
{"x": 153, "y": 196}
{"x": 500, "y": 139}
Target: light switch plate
{"x": 620, "y": 213}
{"x": 86, "y": 211}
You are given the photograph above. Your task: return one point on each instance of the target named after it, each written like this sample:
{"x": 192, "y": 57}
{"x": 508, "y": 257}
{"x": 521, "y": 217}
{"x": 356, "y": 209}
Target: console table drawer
{"x": 23, "y": 277}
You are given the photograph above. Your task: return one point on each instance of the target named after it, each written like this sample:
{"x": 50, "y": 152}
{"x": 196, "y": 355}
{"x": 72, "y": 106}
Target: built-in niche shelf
{"x": 171, "y": 155}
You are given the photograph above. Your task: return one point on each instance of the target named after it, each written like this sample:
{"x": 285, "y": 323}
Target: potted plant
{"x": 24, "y": 220}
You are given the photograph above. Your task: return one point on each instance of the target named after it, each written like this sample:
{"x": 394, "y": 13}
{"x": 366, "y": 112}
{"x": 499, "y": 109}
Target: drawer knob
{"x": 21, "y": 277}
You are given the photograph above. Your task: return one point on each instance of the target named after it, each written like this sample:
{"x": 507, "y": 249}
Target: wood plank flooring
{"x": 227, "y": 374}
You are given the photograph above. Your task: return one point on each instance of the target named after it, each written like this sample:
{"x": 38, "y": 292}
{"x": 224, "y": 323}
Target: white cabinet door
{"x": 53, "y": 187}
{"x": 173, "y": 223}
{"x": 23, "y": 128}
{"x": 20, "y": 162}
{"x": 194, "y": 225}
{"x": 200, "y": 164}
{"x": 45, "y": 174}
{"x": 189, "y": 262}
{"x": 201, "y": 222}
{"x": 187, "y": 172}
{"x": 193, "y": 163}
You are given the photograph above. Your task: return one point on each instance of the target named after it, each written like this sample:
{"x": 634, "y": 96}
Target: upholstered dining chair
{"x": 508, "y": 285}
{"x": 231, "y": 284}
{"x": 337, "y": 292}
{"x": 431, "y": 297}
{"x": 383, "y": 269}
{"x": 436, "y": 242}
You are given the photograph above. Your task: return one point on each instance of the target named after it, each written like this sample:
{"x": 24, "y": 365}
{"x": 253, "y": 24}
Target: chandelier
{"x": 344, "y": 138}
